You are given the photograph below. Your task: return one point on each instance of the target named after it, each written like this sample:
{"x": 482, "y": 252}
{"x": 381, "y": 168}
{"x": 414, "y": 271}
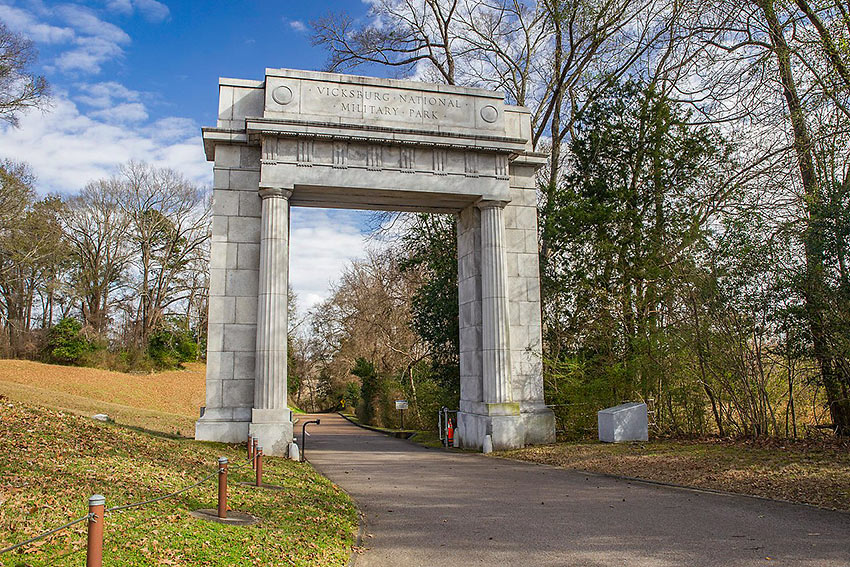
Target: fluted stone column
{"x": 496, "y": 347}
{"x": 270, "y": 418}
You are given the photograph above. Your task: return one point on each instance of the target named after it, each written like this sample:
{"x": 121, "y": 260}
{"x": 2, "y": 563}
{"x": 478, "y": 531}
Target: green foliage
{"x": 351, "y": 394}
{"x": 427, "y": 394}
{"x": 370, "y": 387}
{"x": 293, "y": 377}
{"x": 621, "y": 241}
{"x": 66, "y": 343}
{"x": 172, "y": 344}
{"x": 431, "y": 245}
{"x": 377, "y": 395}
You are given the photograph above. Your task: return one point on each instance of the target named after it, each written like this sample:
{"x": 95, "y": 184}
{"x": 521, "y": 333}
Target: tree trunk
{"x": 835, "y": 384}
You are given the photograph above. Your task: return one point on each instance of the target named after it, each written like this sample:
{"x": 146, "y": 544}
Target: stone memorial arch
{"x": 312, "y": 139}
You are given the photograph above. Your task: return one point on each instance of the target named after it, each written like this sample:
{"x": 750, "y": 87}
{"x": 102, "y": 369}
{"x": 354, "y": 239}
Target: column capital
{"x": 491, "y": 203}
{"x": 275, "y": 192}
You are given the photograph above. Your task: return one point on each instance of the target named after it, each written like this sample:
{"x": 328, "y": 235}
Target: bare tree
{"x": 98, "y": 230}
{"x": 552, "y": 56}
{"x": 20, "y": 89}
{"x": 169, "y": 227}
{"x": 405, "y": 37}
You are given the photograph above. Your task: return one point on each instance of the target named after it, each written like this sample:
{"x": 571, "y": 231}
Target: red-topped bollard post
{"x": 250, "y": 447}
{"x": 94, "y": 548}
{"x": 254, "y": 453}
{"x": 259, "y": 480}
{"x": 222, "y": 487}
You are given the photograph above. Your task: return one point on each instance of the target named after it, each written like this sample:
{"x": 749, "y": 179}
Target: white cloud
{"x": 152, "y": 10}
{"x": 123, "y": 113}
{"x": 85, "y": 21}
{"x": 67, "y": 148}
{"x": 105, "y": 94}
{"x": 296, "y": 25}
{"x": 24, "y": 22}
{"x": 89, "y": 55}
{"x": 172, "y": 128}
{"x": 95, "y": 41}
{"x": 121, "y": 6}
{"x": 322, "y": 244}
{"x": 90, "y": 40}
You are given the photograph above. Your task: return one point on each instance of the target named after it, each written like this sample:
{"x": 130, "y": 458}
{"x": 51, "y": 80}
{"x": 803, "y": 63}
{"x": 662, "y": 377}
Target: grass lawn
{"x": 53, "y": 460}
{"x": 430, "y": 439}
{"x": 811, "y": 472}
{"x": 166, "y": 402}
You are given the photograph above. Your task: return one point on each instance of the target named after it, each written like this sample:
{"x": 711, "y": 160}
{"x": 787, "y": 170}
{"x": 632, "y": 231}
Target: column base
{"x": 273, "y": 429}
{"x": 508, "y": 430}
{"x": 221, "y": 431}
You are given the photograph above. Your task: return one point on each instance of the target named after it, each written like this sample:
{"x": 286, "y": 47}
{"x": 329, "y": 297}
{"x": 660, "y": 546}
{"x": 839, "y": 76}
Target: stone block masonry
{"x": 301, "y": 138}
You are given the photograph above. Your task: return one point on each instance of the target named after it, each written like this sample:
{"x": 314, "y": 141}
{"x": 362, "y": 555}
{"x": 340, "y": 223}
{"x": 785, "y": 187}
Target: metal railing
{"x": 443, "y": 423}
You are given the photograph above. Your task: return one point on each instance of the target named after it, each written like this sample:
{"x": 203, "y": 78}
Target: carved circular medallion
{"x": 489, "y": 114}
{"x": 282, "y": 95}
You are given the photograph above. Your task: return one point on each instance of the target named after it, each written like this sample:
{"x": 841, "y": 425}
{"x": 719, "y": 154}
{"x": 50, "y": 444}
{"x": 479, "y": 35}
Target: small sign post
{"x": 401, "y": 405}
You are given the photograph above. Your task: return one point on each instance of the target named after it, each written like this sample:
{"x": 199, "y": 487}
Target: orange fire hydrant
{"x": 450, "y": 432}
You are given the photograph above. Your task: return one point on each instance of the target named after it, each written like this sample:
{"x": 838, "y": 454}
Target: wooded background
{"x": 694, "y": 222}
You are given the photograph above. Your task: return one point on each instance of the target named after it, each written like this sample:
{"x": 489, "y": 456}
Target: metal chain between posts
{"x": 157, "y": 499}
{"x": 45, "y": 534}
{"x": 123, "y": 507}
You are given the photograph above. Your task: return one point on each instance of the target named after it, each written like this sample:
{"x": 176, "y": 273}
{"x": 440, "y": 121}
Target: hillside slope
{"x": 165, "y": 401}
{"x": 52, "y": 461}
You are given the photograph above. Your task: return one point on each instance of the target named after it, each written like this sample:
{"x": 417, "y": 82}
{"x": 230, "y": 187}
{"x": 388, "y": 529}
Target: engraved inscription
{"x": 390, "y": 104}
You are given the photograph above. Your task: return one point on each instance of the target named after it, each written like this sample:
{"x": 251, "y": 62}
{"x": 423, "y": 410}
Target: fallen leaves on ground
{"x": 52, "y": 461}
{"x": 807, "y": 471}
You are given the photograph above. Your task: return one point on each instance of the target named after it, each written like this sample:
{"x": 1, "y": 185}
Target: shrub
{"x": 370, "y": 386}
{"x": 171, "y": 345}
{"x": 66, "y": 343}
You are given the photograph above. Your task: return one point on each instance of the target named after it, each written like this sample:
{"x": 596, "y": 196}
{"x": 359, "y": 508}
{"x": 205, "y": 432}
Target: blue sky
{"x": 137, "y": 79}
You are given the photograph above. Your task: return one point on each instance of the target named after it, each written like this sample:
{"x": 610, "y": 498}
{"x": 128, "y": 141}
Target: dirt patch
{"x": 815, "y": 473}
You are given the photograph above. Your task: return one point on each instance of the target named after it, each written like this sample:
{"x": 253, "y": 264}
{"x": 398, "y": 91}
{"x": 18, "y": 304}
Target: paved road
{"x": 428, "y": 507}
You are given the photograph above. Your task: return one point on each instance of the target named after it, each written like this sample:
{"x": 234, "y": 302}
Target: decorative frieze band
{"x": 440, "y": 156}
{"x": 407, "y": 163}
{"x": 502, "y": 166}
{"x": 470, "y": 161}
{"x": 339, "y": 154}
{"x": 305, "y": 151}
{"x": 374, "y": 157}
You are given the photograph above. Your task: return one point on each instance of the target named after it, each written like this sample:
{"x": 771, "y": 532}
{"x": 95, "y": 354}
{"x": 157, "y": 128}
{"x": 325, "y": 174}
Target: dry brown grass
{"x": 166, "y": 401}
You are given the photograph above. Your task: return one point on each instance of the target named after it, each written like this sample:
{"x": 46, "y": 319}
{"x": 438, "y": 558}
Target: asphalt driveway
{"x": 429, "y": 507}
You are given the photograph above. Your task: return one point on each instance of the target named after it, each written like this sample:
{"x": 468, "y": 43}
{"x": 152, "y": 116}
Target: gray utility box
{"x": 626, "y": 422}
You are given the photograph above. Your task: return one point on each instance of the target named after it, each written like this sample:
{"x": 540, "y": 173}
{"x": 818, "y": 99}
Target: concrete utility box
{"x": 626, "y": 422}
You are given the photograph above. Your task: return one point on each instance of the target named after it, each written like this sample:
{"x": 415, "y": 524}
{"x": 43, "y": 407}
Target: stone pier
{"x": 301, "y": 138}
